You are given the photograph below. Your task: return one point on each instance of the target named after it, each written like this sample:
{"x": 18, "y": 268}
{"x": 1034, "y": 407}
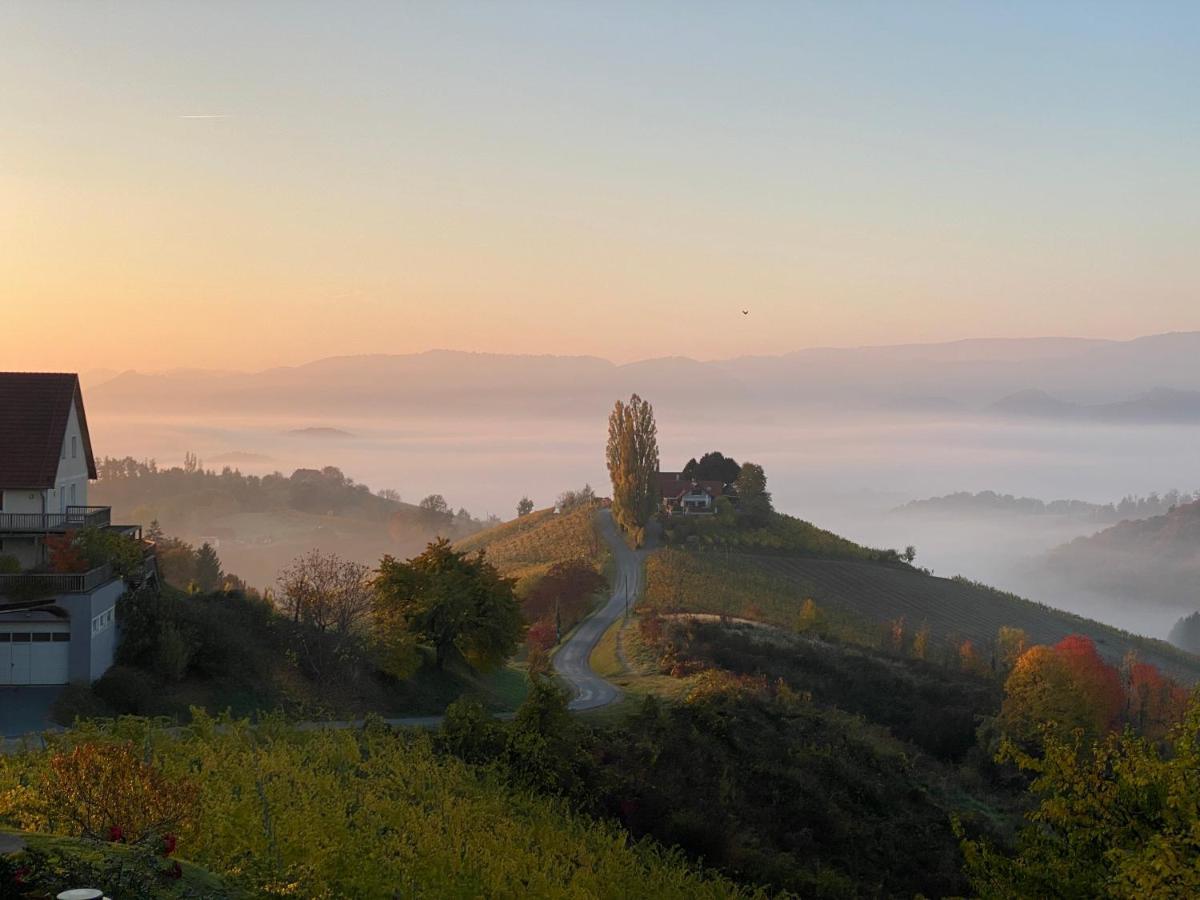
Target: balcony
{"x": 38, "y": 584}
{"x": 75, "y": 517}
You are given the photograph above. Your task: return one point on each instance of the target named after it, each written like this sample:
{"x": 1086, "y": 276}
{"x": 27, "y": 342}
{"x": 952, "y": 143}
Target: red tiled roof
{"x": 672, "y": 485}
{"x": 34, "y": 408}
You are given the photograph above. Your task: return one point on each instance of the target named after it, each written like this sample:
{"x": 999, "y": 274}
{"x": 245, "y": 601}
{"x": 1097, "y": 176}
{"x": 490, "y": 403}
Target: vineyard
{"x": 365, "y": 813}
{"x": 527, "y": 546}
{"x": 868, "y": 596}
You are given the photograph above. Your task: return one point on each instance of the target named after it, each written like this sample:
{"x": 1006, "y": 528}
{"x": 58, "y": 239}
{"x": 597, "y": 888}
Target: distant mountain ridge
{"x": 1157, "y": 405}
{"x": 978, "y": 377}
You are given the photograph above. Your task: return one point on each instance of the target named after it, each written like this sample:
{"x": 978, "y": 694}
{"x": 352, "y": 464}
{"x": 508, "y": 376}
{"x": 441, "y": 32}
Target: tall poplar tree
{"x": 633, "y": 463}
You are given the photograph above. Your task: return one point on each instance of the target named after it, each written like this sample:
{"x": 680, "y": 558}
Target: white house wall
{"x": 72, "y": 468}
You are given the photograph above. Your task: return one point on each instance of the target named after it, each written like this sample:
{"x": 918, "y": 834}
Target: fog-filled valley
{"x": 849, "y": 437}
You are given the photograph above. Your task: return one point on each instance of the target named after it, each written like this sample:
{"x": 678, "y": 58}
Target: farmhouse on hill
{"x": 57, "y": 618}
{"x": 681, "y": 495}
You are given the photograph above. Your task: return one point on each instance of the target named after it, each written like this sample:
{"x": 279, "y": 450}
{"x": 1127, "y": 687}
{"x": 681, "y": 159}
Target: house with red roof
{"x": 56, "y": 625}
{"x": 681, "y": 495}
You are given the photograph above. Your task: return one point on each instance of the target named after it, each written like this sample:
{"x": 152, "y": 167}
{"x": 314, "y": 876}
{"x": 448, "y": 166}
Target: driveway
{"x": 572, "y": 661}
{"x": 26, "y": 709}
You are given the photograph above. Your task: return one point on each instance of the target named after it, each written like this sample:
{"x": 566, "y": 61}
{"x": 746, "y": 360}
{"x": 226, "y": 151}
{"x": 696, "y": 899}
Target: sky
{"x": 238, "y": 186}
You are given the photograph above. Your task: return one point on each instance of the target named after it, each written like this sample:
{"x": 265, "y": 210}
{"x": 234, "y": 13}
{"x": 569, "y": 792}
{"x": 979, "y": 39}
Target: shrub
{"x": 78, "y": 702}
{"x": 127, "y": 690}
{"x": 9, "y": 565}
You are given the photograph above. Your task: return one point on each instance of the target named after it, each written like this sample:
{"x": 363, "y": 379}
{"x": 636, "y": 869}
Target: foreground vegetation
{"x": 368, "y": 813}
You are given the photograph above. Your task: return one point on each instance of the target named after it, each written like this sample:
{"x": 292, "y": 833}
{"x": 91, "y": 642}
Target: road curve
{"x": 572, "y": 661}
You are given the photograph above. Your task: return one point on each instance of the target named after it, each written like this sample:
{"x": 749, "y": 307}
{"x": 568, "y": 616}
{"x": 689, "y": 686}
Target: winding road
{"x": 572, "y": 661}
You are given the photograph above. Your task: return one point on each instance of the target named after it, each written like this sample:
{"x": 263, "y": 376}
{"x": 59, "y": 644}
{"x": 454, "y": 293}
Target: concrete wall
{"x": 92, "y": 654}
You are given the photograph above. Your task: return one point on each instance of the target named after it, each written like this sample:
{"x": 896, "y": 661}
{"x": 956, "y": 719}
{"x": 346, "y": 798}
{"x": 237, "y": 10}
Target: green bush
{"x": 127, "y": 690}
{"x": 9, "y": 565}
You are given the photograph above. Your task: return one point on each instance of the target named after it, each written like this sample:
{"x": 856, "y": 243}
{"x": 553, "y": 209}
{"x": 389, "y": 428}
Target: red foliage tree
{"x": 1097, "y": 681}
{"x": 65, "y": 556}
{"x": 1155, "y": 702}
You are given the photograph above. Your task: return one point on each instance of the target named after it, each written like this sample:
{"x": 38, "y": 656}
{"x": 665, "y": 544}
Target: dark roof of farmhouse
{"x": 34, "y": 409}
{"x": 672, "y": 485}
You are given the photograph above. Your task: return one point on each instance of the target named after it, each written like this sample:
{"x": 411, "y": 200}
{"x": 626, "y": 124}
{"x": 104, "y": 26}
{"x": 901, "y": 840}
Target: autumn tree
{"x": 632, "y": 455}
{"x": 325, "y": 592}
{"x": 754, "y": 499}
{"x": 106, "y": 791}
{"x": 524, "y": 507}
{"x": 1154, "y": 703}
{"x": 1059, "y": 690}
{"x": 562, "y": 596}
{"x": 456, "y": 602}
{"x": 1118, "y": 819}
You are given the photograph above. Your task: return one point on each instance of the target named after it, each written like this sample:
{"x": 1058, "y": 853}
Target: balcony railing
{"x": 38, "y": 584}
{"x": 75, "y": 517}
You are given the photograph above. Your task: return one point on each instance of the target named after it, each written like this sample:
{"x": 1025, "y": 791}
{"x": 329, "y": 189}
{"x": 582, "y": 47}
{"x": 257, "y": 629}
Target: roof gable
{"x": 34, "y": 410}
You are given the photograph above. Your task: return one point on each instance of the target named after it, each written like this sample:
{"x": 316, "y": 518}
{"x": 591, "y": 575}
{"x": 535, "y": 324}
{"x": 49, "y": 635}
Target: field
{"x": 527, "y": 546}
{"x": 773, "y": 588}
{"x": 367, "y": 813}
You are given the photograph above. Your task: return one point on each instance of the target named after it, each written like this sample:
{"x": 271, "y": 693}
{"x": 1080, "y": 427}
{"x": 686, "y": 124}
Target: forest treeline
{"x": 1128, "y": 507}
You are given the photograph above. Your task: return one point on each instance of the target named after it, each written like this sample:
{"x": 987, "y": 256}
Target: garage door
{"x": 34, "y": 653}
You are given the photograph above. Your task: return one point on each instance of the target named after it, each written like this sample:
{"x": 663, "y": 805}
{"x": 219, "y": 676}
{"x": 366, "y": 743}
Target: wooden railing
{"x": 45, "y": 584}
{"x": 74, "y": 517}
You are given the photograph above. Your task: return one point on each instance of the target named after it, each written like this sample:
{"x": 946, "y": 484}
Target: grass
{"x": 866, "y": 596}
{"x": 529, "y": 545}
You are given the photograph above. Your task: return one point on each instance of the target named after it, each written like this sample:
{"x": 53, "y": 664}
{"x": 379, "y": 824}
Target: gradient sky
{"x": 233, "y": 185}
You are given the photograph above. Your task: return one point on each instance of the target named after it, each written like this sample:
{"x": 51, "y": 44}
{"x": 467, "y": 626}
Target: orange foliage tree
{"x": 107, "y": 792}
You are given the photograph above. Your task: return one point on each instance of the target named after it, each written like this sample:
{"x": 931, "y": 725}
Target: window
{"x": 72, "y": 493}
{"x": 103, "y": 621}
{"x": 74, "y": 447}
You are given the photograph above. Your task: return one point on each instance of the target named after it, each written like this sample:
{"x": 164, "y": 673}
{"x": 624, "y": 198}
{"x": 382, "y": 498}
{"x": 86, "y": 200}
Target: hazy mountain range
{"x": 1149, "y": 379}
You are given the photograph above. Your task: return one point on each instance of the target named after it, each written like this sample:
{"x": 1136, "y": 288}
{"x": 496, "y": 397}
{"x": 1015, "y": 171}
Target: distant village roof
{"x": 34, "y": 408}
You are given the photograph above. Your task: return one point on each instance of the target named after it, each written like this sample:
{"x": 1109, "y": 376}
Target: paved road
{"x": 572, "y": 659}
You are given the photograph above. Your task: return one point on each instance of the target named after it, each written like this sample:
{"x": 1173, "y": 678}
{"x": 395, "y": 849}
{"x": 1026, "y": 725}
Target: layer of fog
{"x": 843, "y": 473}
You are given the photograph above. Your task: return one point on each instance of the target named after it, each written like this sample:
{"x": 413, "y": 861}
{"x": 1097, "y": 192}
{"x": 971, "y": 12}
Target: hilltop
{"x": 529, "y": 545}
{"x": 1154, "y": 560}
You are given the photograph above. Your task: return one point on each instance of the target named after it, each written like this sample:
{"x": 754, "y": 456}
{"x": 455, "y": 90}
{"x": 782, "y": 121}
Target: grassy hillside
{"x": 1150, "y": 560}
{"x": 527, "y": 546}
{"x": 869, "y": 595}
{"x": 370, "y": 813}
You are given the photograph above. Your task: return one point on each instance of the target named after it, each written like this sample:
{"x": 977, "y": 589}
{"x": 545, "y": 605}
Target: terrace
{"x": 46, "y": 584}
{"x": 73, "y": 518}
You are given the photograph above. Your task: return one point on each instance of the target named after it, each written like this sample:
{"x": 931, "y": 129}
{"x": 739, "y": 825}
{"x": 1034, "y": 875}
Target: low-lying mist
{"x": 848, "y": 473}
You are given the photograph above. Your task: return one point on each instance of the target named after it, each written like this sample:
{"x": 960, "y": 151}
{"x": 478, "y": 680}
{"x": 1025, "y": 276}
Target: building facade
{"x": 57, "y": 623}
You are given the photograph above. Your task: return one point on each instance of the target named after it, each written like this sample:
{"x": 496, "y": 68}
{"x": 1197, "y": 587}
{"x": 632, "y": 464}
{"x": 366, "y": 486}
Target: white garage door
{"x": 34, "y": 653}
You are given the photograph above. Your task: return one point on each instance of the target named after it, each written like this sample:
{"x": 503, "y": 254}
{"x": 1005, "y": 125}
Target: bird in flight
{"x": 745, "y": 312}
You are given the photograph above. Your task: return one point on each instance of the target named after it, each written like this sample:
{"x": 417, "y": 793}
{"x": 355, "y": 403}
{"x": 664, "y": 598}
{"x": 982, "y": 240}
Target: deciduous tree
{"x": 457, "y": 603}
{"x": 632, "y": 455}
{"x": 753, "y": 497}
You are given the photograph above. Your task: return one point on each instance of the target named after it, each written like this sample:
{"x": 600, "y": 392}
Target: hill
{"x": 528, "y": 546}
{"x": 990, "y": 503}
{"x": 261, "y": 523}
{"x": 866, "y": 597}
{"x": 1155, "y": 560}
